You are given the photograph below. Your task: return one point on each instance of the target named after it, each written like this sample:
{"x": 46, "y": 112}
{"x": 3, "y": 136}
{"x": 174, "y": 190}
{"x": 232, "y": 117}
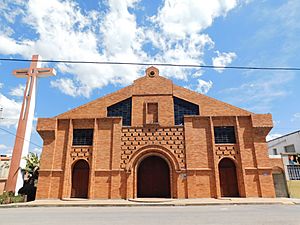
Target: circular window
{"x": 151, "y": 73}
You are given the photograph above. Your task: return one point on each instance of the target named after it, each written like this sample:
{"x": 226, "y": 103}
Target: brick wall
{"x": 189, "y": 149}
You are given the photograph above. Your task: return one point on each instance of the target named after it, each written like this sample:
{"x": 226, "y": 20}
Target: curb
{"x": 143, "y": 204}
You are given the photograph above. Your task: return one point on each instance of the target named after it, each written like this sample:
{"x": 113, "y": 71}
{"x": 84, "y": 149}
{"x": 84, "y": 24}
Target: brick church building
{"x": 155, "y": 139}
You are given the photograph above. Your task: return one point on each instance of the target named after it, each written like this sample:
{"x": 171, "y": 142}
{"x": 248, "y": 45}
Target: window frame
{"x": 182, "y": 108}
{"x": 228, "y": 137}
{"x": 84, "y": 140}
{"x": 118, "y": 110}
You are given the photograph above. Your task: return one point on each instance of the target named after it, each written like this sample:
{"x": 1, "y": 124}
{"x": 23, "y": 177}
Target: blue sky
{"x": 216, "y": 32}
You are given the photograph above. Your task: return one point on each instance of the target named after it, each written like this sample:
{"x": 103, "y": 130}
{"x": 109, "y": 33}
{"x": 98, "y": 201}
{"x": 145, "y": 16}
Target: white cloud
{"x": 6, "y": 150}
{"x": 272, "y": 136}
{"x": 296, "y": 117}
{"x": 10, "y": 9}
{"x": 204, "y": 86}
{"x": 68, "y": 87}
{"x": 3, "y": 147}
{"x": 1, "y": 85}
{"x": 11, "y": 111}
{"x": 18, "y": 91}
{"x": 183, "y": 51}
{"x": 179, "y": 18}
{"x": 257, "y": 95}
{"x": 64, "y": 31}
{"x": 222, "y": 60}
{"x": 10, "y": 46}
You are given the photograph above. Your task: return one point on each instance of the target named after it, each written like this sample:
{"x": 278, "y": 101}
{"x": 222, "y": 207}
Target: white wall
{"x": 280, "y": 143}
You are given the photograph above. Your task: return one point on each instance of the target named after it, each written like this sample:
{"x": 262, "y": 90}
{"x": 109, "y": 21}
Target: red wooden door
{"x": 153, "y": 178}
{"x": 80, "y": 179}
{"x": 228, "y": 178}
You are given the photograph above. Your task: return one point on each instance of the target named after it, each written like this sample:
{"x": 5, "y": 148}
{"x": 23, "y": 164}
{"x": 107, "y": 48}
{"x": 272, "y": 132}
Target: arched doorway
{"x": 279, "y": 182}
{"x": 228, "y": 178}
{"x": 153, "y": 178}
{"x": 80, "y": 179}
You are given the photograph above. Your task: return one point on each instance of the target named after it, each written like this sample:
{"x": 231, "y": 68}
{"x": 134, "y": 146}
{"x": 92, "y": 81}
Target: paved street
{"x": 242, "y": 214}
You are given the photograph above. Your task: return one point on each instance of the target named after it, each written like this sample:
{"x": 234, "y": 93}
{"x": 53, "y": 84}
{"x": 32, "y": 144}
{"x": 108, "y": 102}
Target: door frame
{"x": 89, "y": 179}
{"x": 236, "y": 175}
{"x": 138, "y": 162}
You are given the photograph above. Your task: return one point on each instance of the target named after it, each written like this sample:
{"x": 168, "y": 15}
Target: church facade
{"x": 155, "y": 139}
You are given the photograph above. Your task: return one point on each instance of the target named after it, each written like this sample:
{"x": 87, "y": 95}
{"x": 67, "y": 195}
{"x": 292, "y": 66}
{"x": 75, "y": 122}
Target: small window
{"x": 83, "y": 136}
{"x": 289, "y": 148}
{"x": 224, "y": 135}
{"x": 275, "y": 151}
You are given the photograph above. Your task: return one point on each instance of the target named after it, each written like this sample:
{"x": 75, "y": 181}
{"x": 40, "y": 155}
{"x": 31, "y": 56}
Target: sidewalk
{"x": 154, "y": 202}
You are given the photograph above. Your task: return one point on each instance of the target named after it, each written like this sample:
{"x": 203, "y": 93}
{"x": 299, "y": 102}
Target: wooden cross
{"x": 21, "y": 147}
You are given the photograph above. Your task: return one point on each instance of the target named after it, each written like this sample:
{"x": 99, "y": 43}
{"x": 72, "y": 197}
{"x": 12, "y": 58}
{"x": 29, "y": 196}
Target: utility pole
{"x": 21, "y": 147}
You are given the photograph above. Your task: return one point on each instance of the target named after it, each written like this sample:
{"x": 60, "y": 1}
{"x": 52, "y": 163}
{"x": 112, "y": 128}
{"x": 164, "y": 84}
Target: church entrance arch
{"x": 153, "y": 178}
{"x": 228, "y": 178}
{"x": 80, "y": 179}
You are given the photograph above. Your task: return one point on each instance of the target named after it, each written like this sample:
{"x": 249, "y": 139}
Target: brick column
{"x": 239, "y": 157}
{"x": 66, "y": 188}
{"x": 215, "y": 160}
{"x": 93, "y": 156}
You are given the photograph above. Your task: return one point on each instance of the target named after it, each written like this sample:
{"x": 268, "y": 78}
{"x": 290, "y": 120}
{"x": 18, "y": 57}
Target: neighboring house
{"x": 287, "y": 148}
{"x": 4, "y": 168}
{"x": 155, "y": 139}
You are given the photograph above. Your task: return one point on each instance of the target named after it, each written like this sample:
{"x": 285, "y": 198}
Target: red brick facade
{"x": 189, "y": 150}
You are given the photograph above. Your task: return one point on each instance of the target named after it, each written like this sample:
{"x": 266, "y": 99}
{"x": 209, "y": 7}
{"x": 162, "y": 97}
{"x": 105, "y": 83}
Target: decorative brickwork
{"x": 81, "y": 152}
{"x": 226, "y": 151}
{"x": 171, "y": 138}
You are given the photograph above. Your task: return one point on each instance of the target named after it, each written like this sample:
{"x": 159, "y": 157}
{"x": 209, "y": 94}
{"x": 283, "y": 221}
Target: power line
{"x": 7, "y": 131}
{"x": 154, "y": 64}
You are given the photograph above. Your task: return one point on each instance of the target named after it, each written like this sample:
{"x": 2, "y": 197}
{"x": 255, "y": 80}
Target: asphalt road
{"x": 242, "y": 214}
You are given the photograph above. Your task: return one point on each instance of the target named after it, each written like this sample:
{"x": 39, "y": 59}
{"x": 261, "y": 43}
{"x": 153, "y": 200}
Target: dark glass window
{"x": 83, "y": 136}
{"x": 181, "y": 108}
{"x": 224, "y": 135}
{"x": 122, "y": 109}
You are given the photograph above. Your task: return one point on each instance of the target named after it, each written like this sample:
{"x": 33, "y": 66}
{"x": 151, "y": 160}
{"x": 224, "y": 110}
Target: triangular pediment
{"x": 152, "y": 84}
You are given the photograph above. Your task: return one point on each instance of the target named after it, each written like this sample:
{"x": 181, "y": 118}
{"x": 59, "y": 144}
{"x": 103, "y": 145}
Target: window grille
{"x": 181, "y": 108}
{"x": 294, "y": 172}
{"x": 224, "y": 135}
{"x": 122, "y": 109}
{"x": 289, "y": 148}
{"x": 83, "y": 136}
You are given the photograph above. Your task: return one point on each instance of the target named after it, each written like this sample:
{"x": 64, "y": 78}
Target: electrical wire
{"x": 154, "y": 64}
{"x": 7, "y": 131}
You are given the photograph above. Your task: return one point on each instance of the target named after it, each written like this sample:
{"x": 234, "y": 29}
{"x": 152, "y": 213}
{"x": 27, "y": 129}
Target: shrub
{"x": 9, "y": 197}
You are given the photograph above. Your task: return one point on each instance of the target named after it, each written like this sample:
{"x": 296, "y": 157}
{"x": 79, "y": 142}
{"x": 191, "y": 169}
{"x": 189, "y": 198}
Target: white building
{"x": 287, "y": 147}
{"x": 289, "y": 143}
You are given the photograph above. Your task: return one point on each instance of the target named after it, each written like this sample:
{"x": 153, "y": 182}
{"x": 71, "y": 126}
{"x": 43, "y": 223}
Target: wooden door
{"x": 228, "y": 178}
{"x": 153, "y": 178}
{"x": 80, "y": 179}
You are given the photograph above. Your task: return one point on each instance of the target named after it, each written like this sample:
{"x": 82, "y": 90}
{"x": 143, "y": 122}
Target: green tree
{"x": 32, "y": 163}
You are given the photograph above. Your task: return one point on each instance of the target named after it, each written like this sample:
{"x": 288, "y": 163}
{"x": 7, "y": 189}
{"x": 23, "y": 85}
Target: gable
{"x": 154, "y": 85}
{"x": 208, "y": 106}
{"x": 98, "y": 107}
